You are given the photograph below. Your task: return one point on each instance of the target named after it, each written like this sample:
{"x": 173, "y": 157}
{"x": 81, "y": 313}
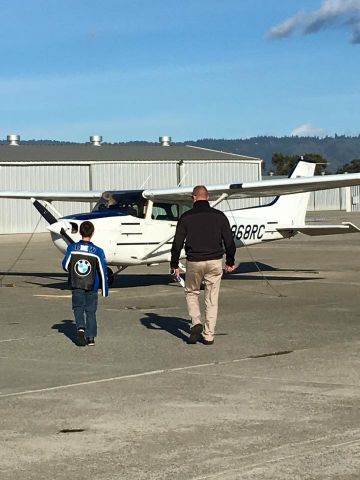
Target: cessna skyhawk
{"x": 137, "y": 226}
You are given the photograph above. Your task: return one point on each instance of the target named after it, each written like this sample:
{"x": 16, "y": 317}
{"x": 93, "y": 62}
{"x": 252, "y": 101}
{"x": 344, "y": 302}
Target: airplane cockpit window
{"x": 125, "y": 203}
{"x": 168, "y": 211}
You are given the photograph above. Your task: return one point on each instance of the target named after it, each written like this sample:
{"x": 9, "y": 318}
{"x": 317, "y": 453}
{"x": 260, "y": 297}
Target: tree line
{"x": 284, "y": 164}
{"x": 338, "y": 150}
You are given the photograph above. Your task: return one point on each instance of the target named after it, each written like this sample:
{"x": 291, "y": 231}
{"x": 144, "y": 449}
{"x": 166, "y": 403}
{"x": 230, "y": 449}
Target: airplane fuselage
{"x": 128, "y": 240}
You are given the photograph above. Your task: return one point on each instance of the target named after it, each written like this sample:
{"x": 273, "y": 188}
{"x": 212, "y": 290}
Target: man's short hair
{"x": 200, "y": 191}
{"x": 86, "y": 229}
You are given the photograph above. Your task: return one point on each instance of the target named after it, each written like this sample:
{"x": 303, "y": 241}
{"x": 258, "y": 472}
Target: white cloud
{"x": 287, "y": 27}
{"x": 308, "y": 130}
{"x": 332, "y": 13}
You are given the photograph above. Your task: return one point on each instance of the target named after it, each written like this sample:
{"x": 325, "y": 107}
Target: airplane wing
{"x": 266, "y": 188}
{"x": 81, "y": 196}
{"x": 261, "y": 188}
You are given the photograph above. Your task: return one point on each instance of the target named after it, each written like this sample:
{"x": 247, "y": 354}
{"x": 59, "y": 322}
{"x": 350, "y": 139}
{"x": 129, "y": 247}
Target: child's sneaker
{"x": 81, "y": 337}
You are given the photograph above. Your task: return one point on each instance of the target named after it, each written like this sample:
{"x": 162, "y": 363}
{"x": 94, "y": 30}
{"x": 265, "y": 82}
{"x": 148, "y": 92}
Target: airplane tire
{"x": 110, "y": 276}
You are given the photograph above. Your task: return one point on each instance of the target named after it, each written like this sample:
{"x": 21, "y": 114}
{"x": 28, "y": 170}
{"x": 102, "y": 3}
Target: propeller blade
{"x": 66, "y": 236}
{"x": 44, "y": 212}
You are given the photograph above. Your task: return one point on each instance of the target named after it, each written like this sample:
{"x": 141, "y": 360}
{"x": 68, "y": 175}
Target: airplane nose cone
{"x": 58, "y": 226}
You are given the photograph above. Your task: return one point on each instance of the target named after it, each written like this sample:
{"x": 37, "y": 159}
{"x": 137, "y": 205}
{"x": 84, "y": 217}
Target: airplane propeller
{"x": 49, "y": 217}
{"x": 44, "y": 212}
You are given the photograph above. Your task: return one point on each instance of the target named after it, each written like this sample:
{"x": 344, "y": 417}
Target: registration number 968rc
{"x": 248, "y": 232}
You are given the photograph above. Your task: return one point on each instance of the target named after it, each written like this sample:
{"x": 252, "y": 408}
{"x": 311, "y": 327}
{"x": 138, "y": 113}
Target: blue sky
{"x": 138, "y": 69}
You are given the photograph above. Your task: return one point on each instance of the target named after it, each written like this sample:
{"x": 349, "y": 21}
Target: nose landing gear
{"x": 110, "y": 276}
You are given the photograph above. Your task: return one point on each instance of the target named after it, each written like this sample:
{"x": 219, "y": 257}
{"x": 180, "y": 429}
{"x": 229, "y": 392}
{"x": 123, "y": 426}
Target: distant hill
{"x": 337, "y": 150}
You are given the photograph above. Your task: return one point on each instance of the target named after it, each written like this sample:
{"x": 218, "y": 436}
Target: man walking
{"x": 87, "y": 267}
{"x": 206, "y": 231}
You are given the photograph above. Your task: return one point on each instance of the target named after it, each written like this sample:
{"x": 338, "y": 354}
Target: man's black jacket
{"x": 207, "y": 232}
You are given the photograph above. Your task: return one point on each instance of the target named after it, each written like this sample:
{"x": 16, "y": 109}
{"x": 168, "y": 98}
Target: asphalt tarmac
{"x": 276, "y": 396}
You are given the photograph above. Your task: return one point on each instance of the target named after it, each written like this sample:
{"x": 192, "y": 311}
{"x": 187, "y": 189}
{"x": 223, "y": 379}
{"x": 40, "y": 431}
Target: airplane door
{"x": 131, "y": 228}
{"x": 130, "y": 239}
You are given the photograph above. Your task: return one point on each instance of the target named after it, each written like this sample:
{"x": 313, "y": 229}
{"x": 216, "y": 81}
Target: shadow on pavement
{"x": 250, "y": 267}
{"x": 67, "y": 328}
{"x": 233, "y": 276}
{"x": 146, "y": 280}
{"x": 50, "y": 275}
{"x": 120, "y": 281}
{"x": 174, "y": 325}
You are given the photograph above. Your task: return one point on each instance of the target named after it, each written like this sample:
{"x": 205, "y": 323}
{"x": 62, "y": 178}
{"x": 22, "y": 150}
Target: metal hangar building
{"x": 100, "y": 166}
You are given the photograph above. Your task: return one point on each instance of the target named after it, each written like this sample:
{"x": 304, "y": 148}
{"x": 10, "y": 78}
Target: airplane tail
{"x": 291, "y": 209}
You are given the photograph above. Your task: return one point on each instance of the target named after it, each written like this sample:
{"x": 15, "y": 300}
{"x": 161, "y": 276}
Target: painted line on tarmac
{"x": 27, "y": 338}
{"x": 56, "y": 362}
{"x": 52, "y": 296}
{"x": 12, "y": 339}
{"x": 124, "y": 377}
{"x": 158, "y": 294}
{"x": 136, "y": 375}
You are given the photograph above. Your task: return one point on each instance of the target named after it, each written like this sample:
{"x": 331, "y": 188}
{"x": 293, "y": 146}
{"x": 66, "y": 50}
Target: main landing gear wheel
{"x": 110, "y": 276}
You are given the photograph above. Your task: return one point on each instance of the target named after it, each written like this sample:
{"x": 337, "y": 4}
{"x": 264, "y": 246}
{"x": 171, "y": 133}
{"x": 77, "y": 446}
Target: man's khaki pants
{"x": 211, "y": 272}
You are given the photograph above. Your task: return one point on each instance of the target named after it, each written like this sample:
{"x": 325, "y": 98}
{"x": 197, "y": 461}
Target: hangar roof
{"x": 105, "y": 153}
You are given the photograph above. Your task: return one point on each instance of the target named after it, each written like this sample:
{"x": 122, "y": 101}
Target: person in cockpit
{"x": 111, "y": 201}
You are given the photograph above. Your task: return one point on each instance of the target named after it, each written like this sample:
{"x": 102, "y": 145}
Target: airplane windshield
{"x": 126, "y": 203}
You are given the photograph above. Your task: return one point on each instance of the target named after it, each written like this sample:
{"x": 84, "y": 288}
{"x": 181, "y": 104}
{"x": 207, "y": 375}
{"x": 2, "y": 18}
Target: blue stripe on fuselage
{"x": 94, "y": 215}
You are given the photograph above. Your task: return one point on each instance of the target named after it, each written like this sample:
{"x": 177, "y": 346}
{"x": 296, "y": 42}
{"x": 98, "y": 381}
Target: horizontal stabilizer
{"x": 316, "y": 230}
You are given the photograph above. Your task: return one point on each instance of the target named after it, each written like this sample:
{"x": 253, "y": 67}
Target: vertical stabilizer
{"x": 291, "y": 209}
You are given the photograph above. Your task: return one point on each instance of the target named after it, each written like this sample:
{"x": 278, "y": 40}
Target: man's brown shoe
{"x": 195, "y": 333}
{"x": 207, "y": 342}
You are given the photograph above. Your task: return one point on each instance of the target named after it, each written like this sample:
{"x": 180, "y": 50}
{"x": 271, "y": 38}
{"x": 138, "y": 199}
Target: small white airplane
{"x": 136, "y": 227}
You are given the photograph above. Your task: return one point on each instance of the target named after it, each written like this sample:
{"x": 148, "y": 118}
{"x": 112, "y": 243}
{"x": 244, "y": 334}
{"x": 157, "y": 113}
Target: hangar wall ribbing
{"x": 19, "y": 216}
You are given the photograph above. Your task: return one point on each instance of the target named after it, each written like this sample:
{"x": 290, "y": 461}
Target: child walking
{"x": 86, "y": 264}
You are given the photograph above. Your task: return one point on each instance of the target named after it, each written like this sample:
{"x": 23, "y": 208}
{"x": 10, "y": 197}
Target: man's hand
{"x": 175, "y": 271}
{"x": 229, "y": 269}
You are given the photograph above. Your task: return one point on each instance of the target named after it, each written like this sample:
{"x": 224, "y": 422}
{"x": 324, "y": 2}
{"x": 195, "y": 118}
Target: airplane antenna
{"x": 144, "y": 183}
{"x": 182, "y": 179}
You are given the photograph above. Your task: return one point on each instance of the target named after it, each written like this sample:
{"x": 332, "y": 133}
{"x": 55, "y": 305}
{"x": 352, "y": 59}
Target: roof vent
{"x": 165, "y": 141}
{"x": 96, "y": 140}
{"x": 13, "y": 139}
